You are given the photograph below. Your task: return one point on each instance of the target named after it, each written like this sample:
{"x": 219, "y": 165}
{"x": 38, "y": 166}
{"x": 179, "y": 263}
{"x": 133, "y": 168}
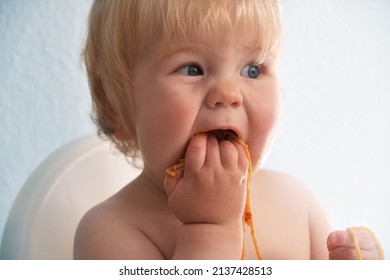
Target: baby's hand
{"x": 211, "y": 188}
{"x": 354, "y": 244}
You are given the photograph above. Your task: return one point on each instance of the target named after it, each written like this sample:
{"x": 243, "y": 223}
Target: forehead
{"x": 220, "y": 45}
{"x": 148, "y": 27}
{"x": 202, "y": 22}
{"x": 218, "y": 20}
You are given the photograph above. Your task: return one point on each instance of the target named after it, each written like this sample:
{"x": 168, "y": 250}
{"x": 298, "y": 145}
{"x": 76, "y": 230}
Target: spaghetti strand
{"x": 352, "y": 232}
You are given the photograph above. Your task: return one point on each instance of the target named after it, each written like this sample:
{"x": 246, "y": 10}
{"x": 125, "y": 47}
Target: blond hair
{"x": 121, "y": 32}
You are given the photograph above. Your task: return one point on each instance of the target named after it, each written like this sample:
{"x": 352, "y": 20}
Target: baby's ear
{"x": 122, "y": 133}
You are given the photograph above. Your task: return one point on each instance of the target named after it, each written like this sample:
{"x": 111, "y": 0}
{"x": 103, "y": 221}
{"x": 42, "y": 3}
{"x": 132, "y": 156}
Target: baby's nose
{"x": 224, "y": 94}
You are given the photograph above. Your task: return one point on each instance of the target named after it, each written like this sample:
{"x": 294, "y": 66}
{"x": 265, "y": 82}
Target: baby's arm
{"x": 103, "y": 234}
{"x": 208, "y": 197}
{"x": 354, "y": 244}
{"x": 320, "y": 226}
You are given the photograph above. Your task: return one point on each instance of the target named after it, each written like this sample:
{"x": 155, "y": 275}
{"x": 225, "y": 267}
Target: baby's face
{"x": 199, "y": 87}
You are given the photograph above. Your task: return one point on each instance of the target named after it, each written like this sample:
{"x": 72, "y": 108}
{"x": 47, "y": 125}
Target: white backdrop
{"x": 335, "y": 76}
{"x": 335, "y": 132}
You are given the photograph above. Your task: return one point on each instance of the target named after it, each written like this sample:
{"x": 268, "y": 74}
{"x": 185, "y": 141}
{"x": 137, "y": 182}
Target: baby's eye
{"x": 250, "y": 71}
{"x": 191, "y": 70}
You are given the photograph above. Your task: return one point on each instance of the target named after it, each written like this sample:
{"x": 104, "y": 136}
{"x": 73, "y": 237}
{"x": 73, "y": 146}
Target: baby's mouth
{"x": 223, "y": 134}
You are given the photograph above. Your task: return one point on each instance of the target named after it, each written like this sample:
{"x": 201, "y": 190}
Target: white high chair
{"x": 48, "y": 208}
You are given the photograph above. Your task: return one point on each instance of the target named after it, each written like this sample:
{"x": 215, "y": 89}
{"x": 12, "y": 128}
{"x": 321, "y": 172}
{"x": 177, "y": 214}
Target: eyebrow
{"x": 197, "y": 48}
{"x": 203, "y": 48}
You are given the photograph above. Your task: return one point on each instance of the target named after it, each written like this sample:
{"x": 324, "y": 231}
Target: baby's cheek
{"x": 264, "y": 136}
{"x": 260, "y": 150}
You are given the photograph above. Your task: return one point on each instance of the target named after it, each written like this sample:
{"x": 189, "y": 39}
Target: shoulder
{"x": 281, "y": 195}
{"x": 285, "y": 197}
{"x": 105, "y": 232}
{"x": 286, "y": 189}
{"x": 281, "y": 184}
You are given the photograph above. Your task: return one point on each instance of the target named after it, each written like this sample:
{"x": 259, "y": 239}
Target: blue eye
{"x": 191, "y": 70}
{"x": 250, "y": 71}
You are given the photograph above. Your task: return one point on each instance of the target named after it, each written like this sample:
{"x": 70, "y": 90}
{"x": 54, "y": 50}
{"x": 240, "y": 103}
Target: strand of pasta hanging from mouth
{"x": 247, "y": 217}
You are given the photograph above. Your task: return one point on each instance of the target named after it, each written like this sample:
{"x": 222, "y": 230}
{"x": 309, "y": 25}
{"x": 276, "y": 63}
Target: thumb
{"x": 339, "y": 238}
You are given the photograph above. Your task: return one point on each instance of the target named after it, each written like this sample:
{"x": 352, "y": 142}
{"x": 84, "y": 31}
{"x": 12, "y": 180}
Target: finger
{"x": 213, "y": 156}
{"x": 243, "y": 157}
{"x": 368, "y": 243}
{"x": 343, "y": 253}
{"x": 346, "y": 253}
{"x": 229, "y": 154}
{"x": 343, "y": 238}
{"x": 341, "y": 244}
{"x": 366, "y": 238}
{"x": 196, "y": 152}
{"x": 339, "y": 238}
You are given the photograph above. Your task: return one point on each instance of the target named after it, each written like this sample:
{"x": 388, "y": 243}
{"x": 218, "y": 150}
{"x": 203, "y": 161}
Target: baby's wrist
{"x": 233, "y": 224}
{"x": 210, "y": 241}
{"x": 229, "y": 231}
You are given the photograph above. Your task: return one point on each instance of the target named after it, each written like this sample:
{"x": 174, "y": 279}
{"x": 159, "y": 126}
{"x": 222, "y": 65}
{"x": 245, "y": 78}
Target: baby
{"x": 193, "y": 80}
